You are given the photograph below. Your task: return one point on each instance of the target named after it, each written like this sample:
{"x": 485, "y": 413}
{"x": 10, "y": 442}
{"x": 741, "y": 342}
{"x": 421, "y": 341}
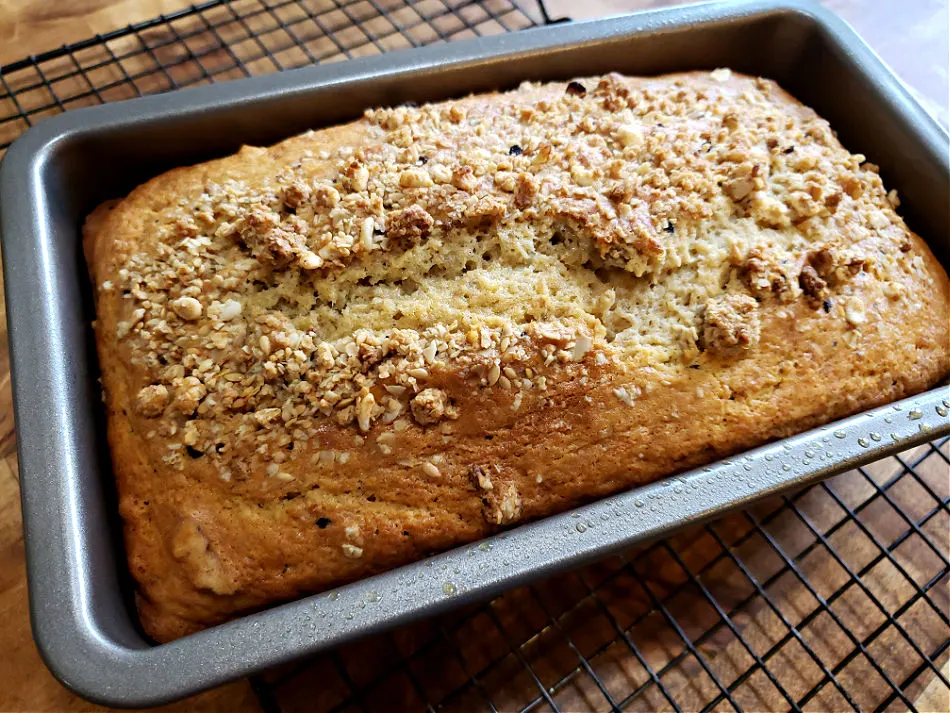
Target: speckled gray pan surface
{"x": 80, "y": 592}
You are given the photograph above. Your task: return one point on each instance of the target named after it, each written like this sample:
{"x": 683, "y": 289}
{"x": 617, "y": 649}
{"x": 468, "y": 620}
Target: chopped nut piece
{"x": 526, "y": 189}
{"x": 325, "y": 196}
{"x": 480, "y": 478}
{"x": 189, "y": 435}
{"x": 582, "y": 176}
{"x": 506, "y": 181}
{"x": 191, "y": 548}
{"x": 364, "y": 411}
{"x": 510, "y": 507}
{"x": 624, "y": 395}
{"x": 279, "y": 246}
{"x": 731, "y": 321}
{"x": 854, "y": 311}
{"x": 463, "y": 178}
{"x": 351, "y": 551}
{"x": 189, "y": 394}
{"x": 309, "y": 261}
{"x": 413, "y": 223}
{"x": 359, "y": 178}
{"x": 501, "y": 505}
{"x": 428, "y": 406}
{"x": 415, "y": 178}
{"x": 813, "y": 286}
{"x": 151, "y": 400}
{"x": 440, "y": 173}
{"x": 582, "y": 345}
{"x": 295, "y": 194}
{"x": 486, "y": 212}
{"x": 629, "y": 136}
{"x": 836, "y": 266}
{"x": 366, "y": 234}
{"x": 188, "y": 308}
{"x": 740, "y": 188}
{"x": 762, "y": 277}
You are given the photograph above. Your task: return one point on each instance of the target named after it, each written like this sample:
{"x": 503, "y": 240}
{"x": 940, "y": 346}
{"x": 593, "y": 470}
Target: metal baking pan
{"x": 80, "y": 591}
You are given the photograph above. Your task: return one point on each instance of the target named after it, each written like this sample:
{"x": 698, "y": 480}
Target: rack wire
{"x": 227, "y": 39}
{"x": 833, "y": 598}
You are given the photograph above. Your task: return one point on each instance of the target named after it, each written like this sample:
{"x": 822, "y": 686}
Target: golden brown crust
{"x": 793, "y": 295}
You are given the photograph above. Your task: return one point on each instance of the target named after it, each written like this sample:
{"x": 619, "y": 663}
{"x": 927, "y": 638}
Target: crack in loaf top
{"x": 505, "y": 241}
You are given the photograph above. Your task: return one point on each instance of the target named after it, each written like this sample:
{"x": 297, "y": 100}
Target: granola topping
{"x": 502, "y": 245}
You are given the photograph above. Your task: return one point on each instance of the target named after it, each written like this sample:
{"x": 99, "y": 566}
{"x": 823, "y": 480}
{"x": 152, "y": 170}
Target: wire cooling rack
{"x": 834, "y": 598}
{"x": 221, "y": 40}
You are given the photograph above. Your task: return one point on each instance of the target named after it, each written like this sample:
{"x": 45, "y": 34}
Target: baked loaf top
{"x": 378, "y": 340}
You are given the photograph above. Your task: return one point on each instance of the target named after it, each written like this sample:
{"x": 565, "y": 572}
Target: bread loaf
{"x": 377, "y": 341}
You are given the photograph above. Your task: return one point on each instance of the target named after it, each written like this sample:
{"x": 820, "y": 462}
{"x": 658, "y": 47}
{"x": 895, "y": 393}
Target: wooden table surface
{"x": 911, "y": 35}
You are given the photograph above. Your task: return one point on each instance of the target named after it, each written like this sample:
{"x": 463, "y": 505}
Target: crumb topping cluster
{"x": 270, "y": 310}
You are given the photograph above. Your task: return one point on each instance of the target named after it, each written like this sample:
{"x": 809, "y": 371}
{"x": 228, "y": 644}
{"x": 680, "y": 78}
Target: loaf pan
{"x": 80, "y": 590}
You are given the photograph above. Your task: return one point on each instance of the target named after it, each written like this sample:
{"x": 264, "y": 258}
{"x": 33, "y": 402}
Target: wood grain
{"x": 914, "y": 40}
{"x": 29, "y": 27}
